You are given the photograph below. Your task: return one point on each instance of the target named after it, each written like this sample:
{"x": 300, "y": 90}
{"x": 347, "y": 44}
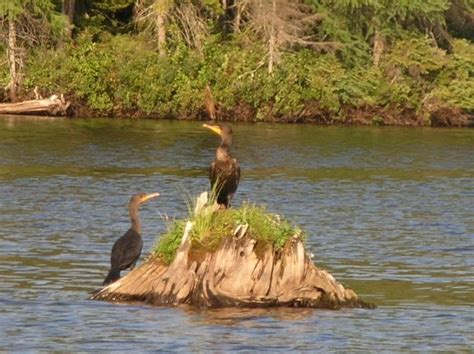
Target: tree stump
{"x": 240, "y": 272}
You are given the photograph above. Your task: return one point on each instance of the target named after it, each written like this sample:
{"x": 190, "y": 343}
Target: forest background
{"x": 406, "y": 62}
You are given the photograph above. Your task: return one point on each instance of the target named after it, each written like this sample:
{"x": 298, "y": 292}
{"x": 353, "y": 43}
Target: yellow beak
{"x": 149, "y": 196}
{"x": 215, "y": 128}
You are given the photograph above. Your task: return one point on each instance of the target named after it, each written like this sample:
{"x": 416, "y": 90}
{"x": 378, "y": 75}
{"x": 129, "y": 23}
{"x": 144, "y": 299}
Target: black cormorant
{"x": 224, "y": 172}
{"x": 127, "y": 249}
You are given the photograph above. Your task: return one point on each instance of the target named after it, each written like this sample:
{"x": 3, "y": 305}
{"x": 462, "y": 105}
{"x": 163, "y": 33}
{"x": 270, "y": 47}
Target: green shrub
{"x": 455, "y": 84}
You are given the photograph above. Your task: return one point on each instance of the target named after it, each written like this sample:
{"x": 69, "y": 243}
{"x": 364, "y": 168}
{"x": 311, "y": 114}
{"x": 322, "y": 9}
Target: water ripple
{"x": 388, "y": 211}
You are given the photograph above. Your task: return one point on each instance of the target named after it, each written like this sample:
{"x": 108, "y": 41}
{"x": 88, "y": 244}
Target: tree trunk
{"x": 161, "y": 28}
{"x": 12, "y": 61}
{"x": 238, "y": 16}
{"x": 227, "y": 19}
{"x": 442, "y": 37}
{"x": 68, "y": 10}
{"x": 239, "y": 9}
{"x": 378, "y": 48}
{"x": 272, "y": 39}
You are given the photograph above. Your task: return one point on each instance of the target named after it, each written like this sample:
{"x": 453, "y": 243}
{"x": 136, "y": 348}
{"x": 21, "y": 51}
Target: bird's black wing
{"x": 213, "y": 174}
{"x": 126, "y": 250}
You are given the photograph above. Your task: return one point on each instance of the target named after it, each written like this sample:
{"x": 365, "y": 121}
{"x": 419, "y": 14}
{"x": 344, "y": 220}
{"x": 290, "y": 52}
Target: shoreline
{"x": 375, "y": 116}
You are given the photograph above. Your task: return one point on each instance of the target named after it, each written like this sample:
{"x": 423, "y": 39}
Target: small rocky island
{"x": 243, "y": 257}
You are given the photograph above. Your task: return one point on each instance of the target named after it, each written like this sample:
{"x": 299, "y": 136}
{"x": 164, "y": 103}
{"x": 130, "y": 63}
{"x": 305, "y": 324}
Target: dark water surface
{"x": 389, "y": 211}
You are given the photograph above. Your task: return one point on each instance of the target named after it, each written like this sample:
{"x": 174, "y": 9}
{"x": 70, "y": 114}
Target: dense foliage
{"x": 353, "y": 60}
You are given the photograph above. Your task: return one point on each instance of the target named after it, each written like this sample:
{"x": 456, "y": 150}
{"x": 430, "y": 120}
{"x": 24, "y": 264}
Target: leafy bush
{"x": 455, "y": 84}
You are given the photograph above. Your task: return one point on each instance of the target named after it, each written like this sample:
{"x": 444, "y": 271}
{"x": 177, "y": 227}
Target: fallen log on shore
{"x": 53, "y": 105}
{"x": 241, "y": 271}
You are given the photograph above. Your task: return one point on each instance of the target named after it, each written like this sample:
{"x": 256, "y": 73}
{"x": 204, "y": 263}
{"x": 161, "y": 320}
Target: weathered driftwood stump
{"x": 239, "y": 273}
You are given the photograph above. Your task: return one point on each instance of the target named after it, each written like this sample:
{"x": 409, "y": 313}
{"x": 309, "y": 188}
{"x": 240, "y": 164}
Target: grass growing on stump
{"x": 212, "y": 226}
{"x": 170, "y": 240}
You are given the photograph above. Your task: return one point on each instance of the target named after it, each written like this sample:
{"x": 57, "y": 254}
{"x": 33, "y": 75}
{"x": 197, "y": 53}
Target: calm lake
{"x": 389, "y": 212}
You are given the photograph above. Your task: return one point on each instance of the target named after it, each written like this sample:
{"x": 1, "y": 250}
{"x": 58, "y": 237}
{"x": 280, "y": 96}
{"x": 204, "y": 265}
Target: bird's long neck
{"x": 223, "y": 152}
{"x": 134, "y": 217}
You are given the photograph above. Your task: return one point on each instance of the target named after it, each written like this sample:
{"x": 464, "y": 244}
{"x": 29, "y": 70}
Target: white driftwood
{"x": 53, "y": 105}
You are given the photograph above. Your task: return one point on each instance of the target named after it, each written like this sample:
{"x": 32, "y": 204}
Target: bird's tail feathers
{"x": 114, "y": 275}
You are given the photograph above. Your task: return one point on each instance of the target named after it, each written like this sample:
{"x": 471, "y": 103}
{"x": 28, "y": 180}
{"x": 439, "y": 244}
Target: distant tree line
{"x": 258, "y": 59}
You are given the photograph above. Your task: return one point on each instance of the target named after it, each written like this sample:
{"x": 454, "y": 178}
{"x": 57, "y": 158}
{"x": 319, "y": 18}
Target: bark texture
{"x": 13, "y": 61}
{"x": 161, "y": 29}
{"x": 378, "y": 48}
{"x": 240, "y": 272}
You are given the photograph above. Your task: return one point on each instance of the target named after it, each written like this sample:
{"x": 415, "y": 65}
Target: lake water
{"x": 389, "y": 212}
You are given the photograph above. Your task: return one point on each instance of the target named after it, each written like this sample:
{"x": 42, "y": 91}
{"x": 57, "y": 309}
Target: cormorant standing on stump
{"x": 224, "y": 172}
{"x": 127, "y": 249}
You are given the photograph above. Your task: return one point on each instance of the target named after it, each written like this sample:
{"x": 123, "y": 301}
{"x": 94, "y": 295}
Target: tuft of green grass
{"x": 211, "y": 227}
{"x": 264, "y": 226}
{"x": 170, "y": 241}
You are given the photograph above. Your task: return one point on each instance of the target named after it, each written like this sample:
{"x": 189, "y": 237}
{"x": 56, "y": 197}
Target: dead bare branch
{"x": 282, "y": 24}
{"x": 153, "y": 16}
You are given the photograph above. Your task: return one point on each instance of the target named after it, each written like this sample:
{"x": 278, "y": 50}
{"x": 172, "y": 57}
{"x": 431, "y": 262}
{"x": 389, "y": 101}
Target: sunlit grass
{"x": 170, "y": 240}
{"x": 210, "y": 227}
{"x": 263, "y": 225}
